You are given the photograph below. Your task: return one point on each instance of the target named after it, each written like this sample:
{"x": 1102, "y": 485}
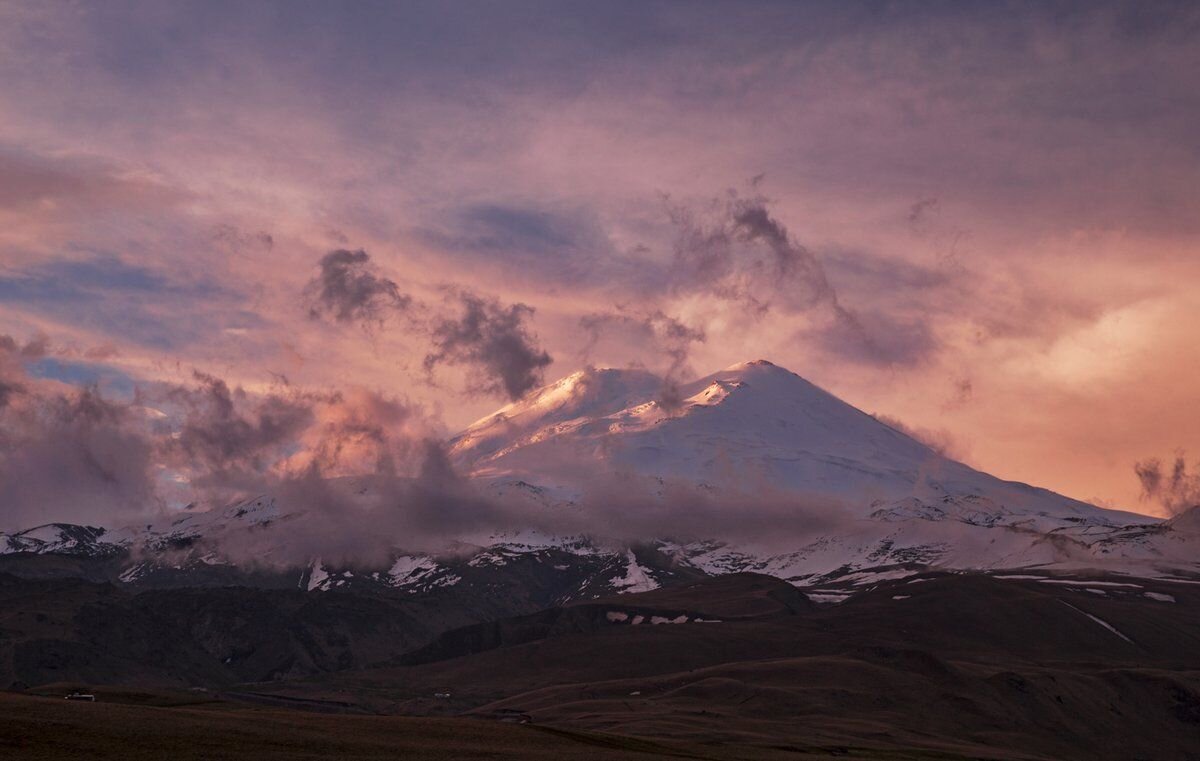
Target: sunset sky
{"x": 981, "y": 220}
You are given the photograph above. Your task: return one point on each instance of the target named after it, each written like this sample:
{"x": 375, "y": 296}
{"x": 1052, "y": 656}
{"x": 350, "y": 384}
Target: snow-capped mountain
{"x": 749, "y": 426}
{"x": 758, "y": 427}
{"x": 888, "y": 504}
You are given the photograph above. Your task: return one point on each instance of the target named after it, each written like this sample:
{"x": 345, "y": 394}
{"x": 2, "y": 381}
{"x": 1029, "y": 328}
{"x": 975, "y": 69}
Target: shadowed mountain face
{"x": 54, "y": 630}
{"x": 933, "y": 665}
{"x": 965, "y": 665}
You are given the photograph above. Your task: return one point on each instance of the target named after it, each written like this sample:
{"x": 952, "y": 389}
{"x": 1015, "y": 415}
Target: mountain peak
{"x": 754, "y": 363}
{"x": 756, "y": 404}
{"x": 757, "y": 367}
{"x": 751, "y": 426}
{"x": 761, "y": 368}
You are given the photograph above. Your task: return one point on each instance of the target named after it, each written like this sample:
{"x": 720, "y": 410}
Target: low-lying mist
{"x": 356, "y": 474}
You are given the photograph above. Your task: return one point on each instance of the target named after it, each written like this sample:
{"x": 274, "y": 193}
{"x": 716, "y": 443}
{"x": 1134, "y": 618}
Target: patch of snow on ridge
{"x": 47, "y": 534}
{"x": 132, "y": 573}
{"x": 636, "y": 578}
{"x": 682, "y": 619}
{"x": 712, "y": 557}
{"x": 1100, "y": 621}
{"x": 318, "y": 576}
{"x": 448, "y": 580}
{"x": 830, "y": 597}
{"x": 59, "y": 538}
{"x": 496, "y": 558}
{"x": 410, "y": 568}
{"x": 533, "y": 540}
{"x": 871, "y": 577}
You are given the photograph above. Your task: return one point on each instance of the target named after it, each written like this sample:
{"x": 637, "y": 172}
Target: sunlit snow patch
{"x": 636, "y": 578}
{"x": 1100, "y": 621}
{"x": 318, "y": 576}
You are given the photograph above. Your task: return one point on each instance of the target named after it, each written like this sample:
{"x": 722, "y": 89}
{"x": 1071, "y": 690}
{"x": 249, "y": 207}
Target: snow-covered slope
{"x": 751, "y": 426}
{"x": 756, "y": 427}
{"x": 889, "y": 505}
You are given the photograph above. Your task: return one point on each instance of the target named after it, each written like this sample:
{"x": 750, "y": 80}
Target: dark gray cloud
{"x": 655, "y": 334}
{"x": 15, "y": 359}
{"x": 69, "y": 453}
{"x": 962, "y": 391}
{"x": 900, "y": 303}
{"x": 740, "y": 253}
{"x": 919, "y": 214}
{"x": 876, "y": 338}
{"x": 792, "y": 263}
{"x": 349, "y": 289}
{"x": 8, "y": 390}
{"x": 801, "y": 277}
{"x": 1173, "y": 487}
{"x": 864, "y": 274}
{"x": 11, "y": 370}
{"x": 664, "y": 334}
{"x": 357, "y": 473}
{"x": 235, "y": 239}
{"x": 66, "y": 455}
{"x": 226, "y": 438}
{"x": 744, "y": 255}
{"x": 491, "y": 339}
{"x": 362, "y": 521}
{"x": 629, "y": 509}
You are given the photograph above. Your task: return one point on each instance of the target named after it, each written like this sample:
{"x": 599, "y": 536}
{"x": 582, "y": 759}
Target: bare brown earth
{"x": 963, "y": 665}
{"x": 46, "y": 728}
{"x": 950, "y": 666}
